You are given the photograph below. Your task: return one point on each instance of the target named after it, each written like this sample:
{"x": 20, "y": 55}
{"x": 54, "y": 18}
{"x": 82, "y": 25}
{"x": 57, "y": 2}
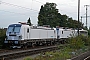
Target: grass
{"x": 75, "y": 47}
{"x": 62, "y": 54}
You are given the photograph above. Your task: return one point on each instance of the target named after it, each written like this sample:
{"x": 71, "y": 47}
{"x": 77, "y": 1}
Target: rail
{"x": 87, "y": 58}
{"x": 17, "y": 54}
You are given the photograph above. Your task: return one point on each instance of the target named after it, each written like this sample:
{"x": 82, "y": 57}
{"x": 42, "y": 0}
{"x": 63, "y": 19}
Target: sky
{"x": 14, "y": 11}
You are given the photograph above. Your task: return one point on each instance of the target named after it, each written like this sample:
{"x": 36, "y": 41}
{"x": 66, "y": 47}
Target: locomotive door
{"x": 28, "y": 33}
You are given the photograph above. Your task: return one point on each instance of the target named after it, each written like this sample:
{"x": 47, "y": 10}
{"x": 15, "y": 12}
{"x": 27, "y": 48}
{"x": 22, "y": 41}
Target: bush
{"x": 28, "y": 58}
{"x": 2, "y": 37}
{"x": 76, "y": 42}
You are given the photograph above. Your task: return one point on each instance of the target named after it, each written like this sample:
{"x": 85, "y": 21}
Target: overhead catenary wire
{"x": 22, "y": 6}
{"x": 12, "y": 12}
{"x": 38, "y": 1}
{"x": 6, "y": 3}
{"x": 16, "y": 13}
{"x": 18, "y": 6}
{"x": 31, "y": 6}
{"x": 41, "y": 2}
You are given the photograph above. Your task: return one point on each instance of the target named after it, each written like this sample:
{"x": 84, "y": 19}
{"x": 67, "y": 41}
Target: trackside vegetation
{"x": 2, "y": 36}
{"x": 74, "y": 47}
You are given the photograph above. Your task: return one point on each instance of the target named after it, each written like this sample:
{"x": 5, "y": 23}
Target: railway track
{"x": 22, "y": 53}
{"x": 87, "y": 58}
{"x": 21, "y": 49}
{"x": 10, "y": 50}
{"x": 3, "y": 51}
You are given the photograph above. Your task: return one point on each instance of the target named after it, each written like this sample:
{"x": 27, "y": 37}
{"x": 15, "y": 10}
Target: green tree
{"x": 29, "y": 22}
{"x": 63, "y": 20}
{"x": 48, "y": 15}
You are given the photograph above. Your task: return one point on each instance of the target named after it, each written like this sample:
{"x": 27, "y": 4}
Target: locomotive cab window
{"x": 28, "y": 30}
{"x": 62, "y": 32}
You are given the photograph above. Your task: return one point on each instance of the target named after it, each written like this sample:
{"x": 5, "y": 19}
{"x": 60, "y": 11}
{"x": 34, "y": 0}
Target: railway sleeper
{"x": 26, "y": 53}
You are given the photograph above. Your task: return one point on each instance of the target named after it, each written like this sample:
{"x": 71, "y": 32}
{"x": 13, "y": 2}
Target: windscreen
{"x": 10, "y": 29}
{"x": 14, "y": 29}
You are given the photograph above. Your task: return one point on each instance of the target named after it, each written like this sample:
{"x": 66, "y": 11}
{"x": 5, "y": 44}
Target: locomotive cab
{"x": 13, "y": 35}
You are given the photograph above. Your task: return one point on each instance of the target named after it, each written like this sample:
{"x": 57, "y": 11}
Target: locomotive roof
{"x": 15, "y": 25}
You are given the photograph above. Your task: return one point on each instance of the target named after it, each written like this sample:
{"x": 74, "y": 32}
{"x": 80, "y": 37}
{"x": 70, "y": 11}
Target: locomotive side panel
{"x": 34, "y": 33}
{"x": 43, "y": 34}
{"x": 63, "y": 33}
{"x": 67, "y": 33}
{"x": 51, "y": 34}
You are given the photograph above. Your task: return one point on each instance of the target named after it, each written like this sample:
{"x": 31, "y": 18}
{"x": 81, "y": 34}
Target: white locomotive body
{"x": 66, "y": 33}
{"x": 23, "y": 35}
